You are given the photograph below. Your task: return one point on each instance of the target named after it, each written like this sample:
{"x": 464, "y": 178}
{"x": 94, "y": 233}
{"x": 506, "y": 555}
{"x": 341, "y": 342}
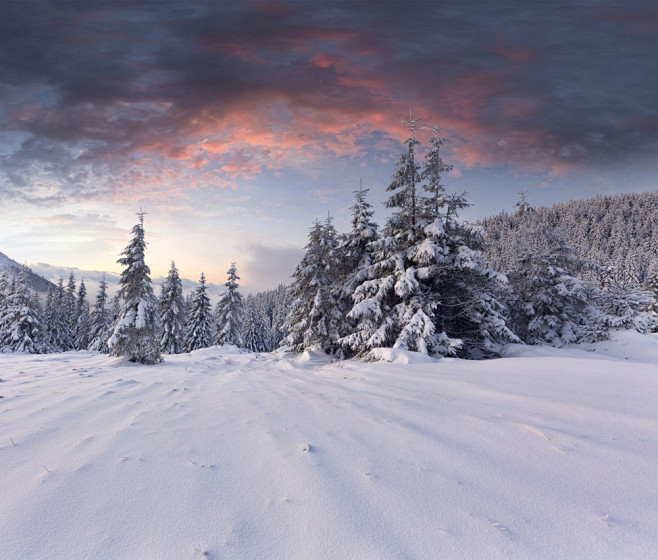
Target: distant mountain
{"x": 34, "y": 281}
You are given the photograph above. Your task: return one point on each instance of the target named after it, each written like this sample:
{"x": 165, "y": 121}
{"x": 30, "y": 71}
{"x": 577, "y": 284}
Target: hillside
{"x": 620, "y": 231}
{"x": 546, "y": 453}
{"x": 35, "y": 282}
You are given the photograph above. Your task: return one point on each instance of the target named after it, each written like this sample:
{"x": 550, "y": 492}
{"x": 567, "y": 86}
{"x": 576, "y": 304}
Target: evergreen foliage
{"x": 229, "y": 311}
{"x": 136, "y": 329}
{"x": 20, "y": 318}
{"x": 314, "y": 318}
{"x": 83, "y": 319}
{"x": 199, "y": 323}
{"x": 101, "y": 321}
{"x": 254, "y": 332}
{"x": 172, "y": 313}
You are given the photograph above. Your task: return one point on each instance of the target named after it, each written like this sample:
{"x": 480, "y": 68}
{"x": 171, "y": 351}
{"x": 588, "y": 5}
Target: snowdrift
{"x": 545, "y": 453}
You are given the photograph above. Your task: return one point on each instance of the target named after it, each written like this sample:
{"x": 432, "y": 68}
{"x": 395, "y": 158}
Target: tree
{"x": 355, "y": 249}
{"x": 427, "y": 290}
{"x": 101, "y": 321}
{"x": 83, "y": 320}
{"x": 172, "y": 313}
{"x": 136, "y": 329}
{"x": 57, "y": 331}
{"x": 71, "y": 310}
{"x": 553, "y": 305}
{"x": 651, "y": 285}
{"x": 20, "y": 320}
{"x": 396, "y": 306}
{"x": 199, "y": 327}
{"x": 314, "y": 317}
{"x": 228, "y": 312}
{"x": 254, "y": 331}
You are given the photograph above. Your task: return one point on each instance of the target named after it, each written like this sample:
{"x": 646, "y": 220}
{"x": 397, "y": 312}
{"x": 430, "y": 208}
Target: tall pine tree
{"x": 199, "y": 322}
{"x": 137, "y": 326}
{"x": 229, "y": 311}
{"x": 101, "y": 321}
{"x": 172, "y": 313}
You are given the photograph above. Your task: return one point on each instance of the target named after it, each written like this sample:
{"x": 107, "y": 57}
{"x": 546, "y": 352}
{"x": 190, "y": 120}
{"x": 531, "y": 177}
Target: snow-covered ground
{"x": 546, "y": 453}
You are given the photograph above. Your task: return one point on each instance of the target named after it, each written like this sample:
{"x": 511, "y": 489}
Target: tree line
{"x": 425, "y": 282}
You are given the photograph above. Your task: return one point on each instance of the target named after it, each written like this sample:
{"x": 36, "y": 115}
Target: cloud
{"x": 264, "y": 266}
{"x": 138, "y": 100}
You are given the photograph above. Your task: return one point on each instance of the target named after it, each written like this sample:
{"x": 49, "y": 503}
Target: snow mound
{"x": 397, "y": 356}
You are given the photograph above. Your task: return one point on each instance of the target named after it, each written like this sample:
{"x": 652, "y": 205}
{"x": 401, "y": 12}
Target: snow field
{"x": 545, "y": 453}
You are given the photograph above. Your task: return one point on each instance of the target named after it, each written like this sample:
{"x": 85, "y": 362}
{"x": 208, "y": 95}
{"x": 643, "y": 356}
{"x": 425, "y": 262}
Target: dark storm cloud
{"x": 89, "y": 88}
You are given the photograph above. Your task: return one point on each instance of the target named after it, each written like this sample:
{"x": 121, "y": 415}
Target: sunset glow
{"x": 234, "y": 125}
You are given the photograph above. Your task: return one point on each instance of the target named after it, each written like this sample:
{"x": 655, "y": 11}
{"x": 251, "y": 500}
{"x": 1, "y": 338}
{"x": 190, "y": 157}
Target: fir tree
{"x": 228, "y": 312}
{"x": 136, "y": 329}
{"x": 199, "y": 326}
{"x": 71, "y": 309}
{"x": 427, "y": 290}
{"x": 83, "y": 320}
{"x": 355, "y": 250}
{"x": 651, "y": 286}
{"x": 553, "y": 305}
{"x": 254, "y": 330}
{"x": 101, "y": 321}
{"x": 172, "y": 313}
{"x": 20, "y": 320}
{"x": 59, "y": 336}
{"x": 314, "y": 317}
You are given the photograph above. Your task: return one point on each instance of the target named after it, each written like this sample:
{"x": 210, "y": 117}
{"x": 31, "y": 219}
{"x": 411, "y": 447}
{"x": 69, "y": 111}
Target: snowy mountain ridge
{"x": 35, "y": 281}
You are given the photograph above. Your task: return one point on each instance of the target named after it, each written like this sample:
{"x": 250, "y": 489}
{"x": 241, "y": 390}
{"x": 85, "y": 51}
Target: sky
{"x": 235, "y": 125}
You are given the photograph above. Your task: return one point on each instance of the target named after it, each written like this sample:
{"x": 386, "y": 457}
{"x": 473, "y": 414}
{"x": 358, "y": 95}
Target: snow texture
{"x": 547, "y": 453}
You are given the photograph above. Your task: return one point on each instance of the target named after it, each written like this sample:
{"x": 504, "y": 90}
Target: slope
{"x": 546, "y": 453}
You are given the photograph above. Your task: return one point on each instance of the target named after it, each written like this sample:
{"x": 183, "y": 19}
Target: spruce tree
{"x": 254, "y": 330}
{"x": 71, "y": 310}
{"x": 135, "y": 332}
{"x": 355, "y": 249}
{"x": 20, "y": 320}
{"x": 172, "y": 313}
{"x": 651, "y": 285}
{"x": 83, "y": 319}
{"x": 554, "y": 305}
{"x": 427, "y": 290}
{"x": 229, "y": 311}
{"x": 314, "y": 317}
{"x": 199, "y": 325}
{"x": 59, "y": 336}
{"x": 101, "y": 321}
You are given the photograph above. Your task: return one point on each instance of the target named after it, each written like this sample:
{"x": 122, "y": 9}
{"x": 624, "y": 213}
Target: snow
{"x": 546, "y": 453}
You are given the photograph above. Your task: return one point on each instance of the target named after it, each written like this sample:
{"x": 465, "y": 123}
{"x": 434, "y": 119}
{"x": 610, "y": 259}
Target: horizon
{"x": 235, "y": 126}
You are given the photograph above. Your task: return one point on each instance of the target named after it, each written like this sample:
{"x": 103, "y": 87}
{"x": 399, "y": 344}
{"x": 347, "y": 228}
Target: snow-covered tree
{"x": 254, "y": 330}
{"x": 21, "y": 319}
{"x": 199, "y": 322}
{"x": 71, "y": 309}
{"x": 101, "y": 321}
{"x": 554, "y": 305}
{"x": 622, "y": 306}
{"x": 314, "y": 317}
{"x": 58, "y": 332}
{"x": 172, "y": 313}
{"x": 136, "y": 329}
{"x": 229, "y": 311}
{"x": 355, "y": 250}
{"x": 651, "y": 285}
{"x": 427, "y": 290}
{"x": 83, "y": 319}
